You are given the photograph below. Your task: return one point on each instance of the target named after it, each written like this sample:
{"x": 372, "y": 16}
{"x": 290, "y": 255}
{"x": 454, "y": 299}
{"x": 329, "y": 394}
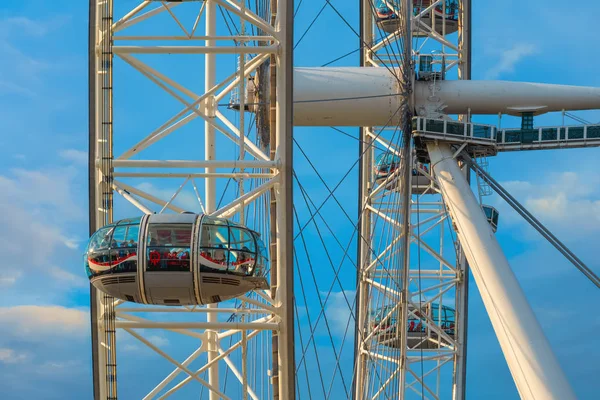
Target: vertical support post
{"x": 406, "y": 186}
{"x": 462, "y": 288}
{"x": 464, "y": 40}
{"x": 209, "y": 182}
{"x": 533, "y": 365}
{"x": 364, "y": 259}
{"x": 102, "y": 314}
{"x": 284, "y": 296}
{"x": 406, "y": 196}
{"x": 462, "y": 310}
{"x": 273, "y": 206}
{"x": 98, "y": 364}
{"x": 364, "y": 216}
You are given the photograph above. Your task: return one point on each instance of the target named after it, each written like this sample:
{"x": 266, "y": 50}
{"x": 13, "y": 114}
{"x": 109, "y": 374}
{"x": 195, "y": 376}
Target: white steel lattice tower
{"x": 412, "y": 283}
{"x": 155, "y": 132}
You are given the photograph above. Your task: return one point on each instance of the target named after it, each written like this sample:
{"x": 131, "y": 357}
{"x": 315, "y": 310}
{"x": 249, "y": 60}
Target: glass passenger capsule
{"x": 176, "y": 259}
{"x": 419, "y": 333}
{"x": 387, "y": 19}
{"x": 387, "y": 163}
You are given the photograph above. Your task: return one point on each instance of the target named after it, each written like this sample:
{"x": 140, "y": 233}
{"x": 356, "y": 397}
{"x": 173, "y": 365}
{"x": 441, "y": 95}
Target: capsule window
{"x": 97, "y": 260}
{"x": 100, "y": 240}
{"x": 214, "y": 247}
{"x": 168, "y": 247}
{"x": 123, "y": 253}
{"x": 262, "y": 263}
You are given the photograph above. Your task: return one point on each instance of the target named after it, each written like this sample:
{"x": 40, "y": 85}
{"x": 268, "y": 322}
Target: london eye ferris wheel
{"x": 216, "y": 228}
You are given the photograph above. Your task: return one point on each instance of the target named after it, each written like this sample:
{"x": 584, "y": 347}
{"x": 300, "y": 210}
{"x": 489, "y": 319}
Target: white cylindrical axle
{"x": 350, "y": 96}
{"x": 360, "y": 96}
{"x": 493, "y": 97}
{"x": 530, "y": 358}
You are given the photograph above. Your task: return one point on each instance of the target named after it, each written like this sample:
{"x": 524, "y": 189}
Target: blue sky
{"x": 44, "y": 323}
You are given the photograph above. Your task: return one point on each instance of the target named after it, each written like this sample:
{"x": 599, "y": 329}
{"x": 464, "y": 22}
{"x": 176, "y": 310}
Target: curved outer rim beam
{"x": 532, "y": 363}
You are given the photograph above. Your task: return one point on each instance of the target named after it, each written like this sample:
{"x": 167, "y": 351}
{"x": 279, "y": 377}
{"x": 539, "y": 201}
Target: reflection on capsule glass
{"x": 176, "y": 259}
{"x": 430, "y": 327}
{"x": 388, "y": 21}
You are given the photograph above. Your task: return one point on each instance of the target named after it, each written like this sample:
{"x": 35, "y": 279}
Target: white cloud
{"x": 339, "y": 313}
{"x": 19, "y": 25}
{"x": 36, "y": 205}
{"x": 10, "y": 356}
{"x": 565, "y": 202}
{"x": 76, "y": 156}
{"x": 158, "y": 341}
{"x": 39, "y": 323}
{"x": 8, "y": 280}
{"x": 509, "y": 58}
{"x": 26, "y": 71}
{"x": 66, "y": 277}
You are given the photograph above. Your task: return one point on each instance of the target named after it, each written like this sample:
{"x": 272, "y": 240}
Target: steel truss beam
{"x": 260, "y": 314}
{"x": 390, "y": 274}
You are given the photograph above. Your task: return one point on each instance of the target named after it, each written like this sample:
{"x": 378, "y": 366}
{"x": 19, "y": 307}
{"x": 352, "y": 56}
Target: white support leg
{"x": 283, "y": 190}
{"x": 210, "y": 187}
{"x": 530, "y": 358}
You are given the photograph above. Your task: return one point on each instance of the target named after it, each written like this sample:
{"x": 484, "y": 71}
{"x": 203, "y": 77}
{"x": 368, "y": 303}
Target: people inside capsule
{"x": 384, "y": 13}
{"x": 223, "y": 247}
{"x": 387, "y": 163}
{"x": 112, "y": 249}
{"x": 385, "y": 318}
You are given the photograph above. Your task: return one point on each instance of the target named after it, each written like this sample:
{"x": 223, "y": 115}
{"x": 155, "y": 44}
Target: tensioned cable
{"x": 310, "y": 25}
{"x": 346, "y": 250}
{"x": 347, "y": 173}
{"x": 534, "y": 222}
{"x": 357, "y": 139}
{"x": 308, "y": 258}
{"x": 322, "y": 310}
{"x": 302, "y": 346}
{"x": 297, "y": 263}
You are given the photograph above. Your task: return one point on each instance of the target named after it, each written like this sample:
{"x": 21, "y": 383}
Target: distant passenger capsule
{"x": 422, "y": 330}
{"x": 389, "y": 22}
{"x": 176, "y": 259}
{"x": 387, "y": 163}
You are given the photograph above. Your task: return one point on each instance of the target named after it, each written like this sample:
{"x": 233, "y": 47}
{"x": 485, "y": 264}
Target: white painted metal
{"x": 394, "y": 275}
{"x": 209, "y": 183}
{"x": 492, "y": 97}
{"x": 353, "y": 96}
{"x": 260, "y": 315}
{"x": 531, "y": 360}
{"x": 345, "y": 96}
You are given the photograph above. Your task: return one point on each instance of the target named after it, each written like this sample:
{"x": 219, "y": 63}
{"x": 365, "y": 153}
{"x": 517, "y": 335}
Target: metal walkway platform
{"x": 486, "y": 139}
{"x": 550, "y": 137}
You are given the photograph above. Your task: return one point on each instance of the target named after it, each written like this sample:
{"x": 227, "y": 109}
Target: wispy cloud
{"x": 339, "y": 312}
{"x": 10, "y": 356}
{"x": 76, "y": 156}
{"x": 38, "y": 323}
{"x": 66, "y": 277}
{"x": 25, "y": 69}
{"x": 509, "y": 59}
{"x": 565, "y": 201}
{"x": 36, "y": 207}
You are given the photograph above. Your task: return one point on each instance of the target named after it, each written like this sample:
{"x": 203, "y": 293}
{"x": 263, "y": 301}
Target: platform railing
{"x": 549, "y": 134}
{"x": 453, "y": 130}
